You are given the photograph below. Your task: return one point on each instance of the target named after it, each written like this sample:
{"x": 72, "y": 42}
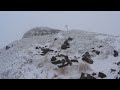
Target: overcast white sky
{"x": 13, "y": 24}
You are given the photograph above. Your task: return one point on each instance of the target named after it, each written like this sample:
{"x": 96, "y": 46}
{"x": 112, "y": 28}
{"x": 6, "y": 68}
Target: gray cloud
{"x": 13, "y": 24}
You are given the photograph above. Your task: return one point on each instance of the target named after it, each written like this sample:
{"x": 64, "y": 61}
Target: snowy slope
{"x": 74, "y": 54}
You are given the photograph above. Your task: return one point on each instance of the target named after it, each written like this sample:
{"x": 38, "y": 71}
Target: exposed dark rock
{"x": 90, "y": 77}
{"x": 57, "y": 62}
{"x": 112, "y": 70}
{"x": 119, "y": 72}
{"x": 45, "y": 50}
{"x": 74, "y": 61}
{"x": 97, "y": 52}
{"x": 63, "y": 61}
{"x": 53, "y": 58}
{"x": 75, "y": 57}
{"x": 70, "y": 39}
{"x": 61, "y": 55}
{"x": 115, "y": 53}
{"x": 55, "y": 51}
{"x": 100, "y": 46}
{"x": 82, "y": 76}
{"x": 118, "y": 63}
{"x": 86, "y": 58}
{"x": 37, "y": 47}
{"x": 67, "y": 60}
{"x": 92, "y": 48}
{"x": 116, "y": 78}
{"x": 63, "y": 65}
{"x": 65, "y": 45}
{"x": 101, "y": 75}
{"x": 55, "y": 39}
{"x": 93, "y": 74}
{"x": 86, "y": 55}
{"x": 7, "y": 47}
{"x": 87, "y": 77}
{"x": 55, "y": 76}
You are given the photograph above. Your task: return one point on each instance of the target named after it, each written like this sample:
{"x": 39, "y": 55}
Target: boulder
{"x": 101, "y": 75}
{"x": 115, "y": 53}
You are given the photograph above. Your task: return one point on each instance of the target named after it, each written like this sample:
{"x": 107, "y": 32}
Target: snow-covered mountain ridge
{"x": 74, "y": 54}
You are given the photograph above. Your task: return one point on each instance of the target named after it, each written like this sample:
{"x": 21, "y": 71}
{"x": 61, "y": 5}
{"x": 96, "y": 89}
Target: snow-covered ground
{"x": 31, "y": 58}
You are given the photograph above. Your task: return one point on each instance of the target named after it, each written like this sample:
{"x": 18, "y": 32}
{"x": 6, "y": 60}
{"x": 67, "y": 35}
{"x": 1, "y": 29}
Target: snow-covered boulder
{"x": 40, "y": 31}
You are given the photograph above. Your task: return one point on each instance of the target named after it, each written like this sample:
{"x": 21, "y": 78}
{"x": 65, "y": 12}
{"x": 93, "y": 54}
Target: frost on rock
{"x": 40, "y": 31}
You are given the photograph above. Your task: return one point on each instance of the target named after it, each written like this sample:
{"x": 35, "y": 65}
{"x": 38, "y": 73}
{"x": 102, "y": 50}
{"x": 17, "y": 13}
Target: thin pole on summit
{"x": 66, "y": 27}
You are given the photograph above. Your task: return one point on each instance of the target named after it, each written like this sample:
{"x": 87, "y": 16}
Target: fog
{"x": 13, "y": 24}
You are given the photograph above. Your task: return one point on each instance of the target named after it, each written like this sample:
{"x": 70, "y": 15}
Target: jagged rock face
{"x": 66, "y": 55}
{"x": 40, "y": 31}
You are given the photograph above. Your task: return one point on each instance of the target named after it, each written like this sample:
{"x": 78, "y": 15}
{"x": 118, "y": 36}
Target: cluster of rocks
{"x": 66, "y": 43}
{"x": 62, "y": 60}
{"x": 65, "y": 61}
{"x": 44, "y": 50}
{"x": 87, "y": 58}
{"x": 88, "y": 76}
{"x": 113, "y": 71}
{"x": 7, "y": 47}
